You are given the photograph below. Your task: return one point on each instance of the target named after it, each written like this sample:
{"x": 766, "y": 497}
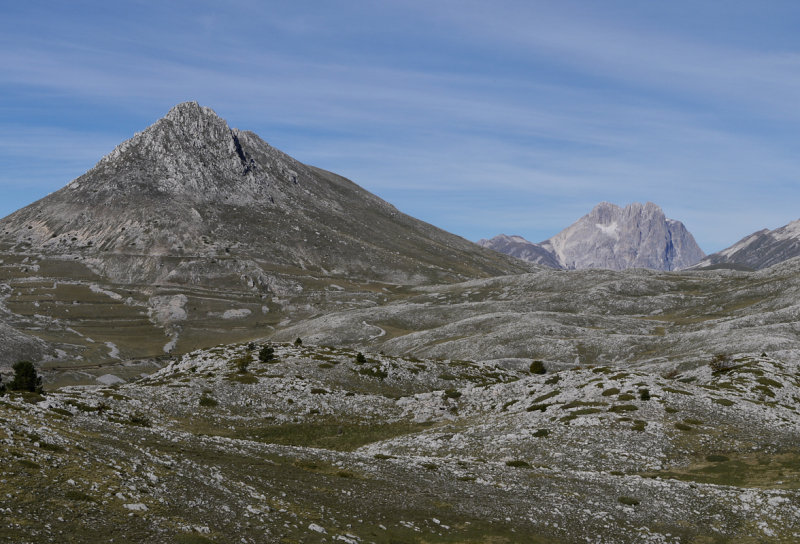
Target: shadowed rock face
{"x": 637, "y": 236}
{"x": 761, "y": 249}
{"x": 189, "y": 186}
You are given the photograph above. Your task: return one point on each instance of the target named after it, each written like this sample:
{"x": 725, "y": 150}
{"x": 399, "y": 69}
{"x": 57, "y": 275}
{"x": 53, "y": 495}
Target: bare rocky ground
{"x": 315, "y": 447}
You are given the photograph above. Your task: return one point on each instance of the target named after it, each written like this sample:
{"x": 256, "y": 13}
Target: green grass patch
{"x": 677, "y": 391}
{"x": 619, "y": 408}
{"x": 247, "y": 379}
{"x": 333, "y": 436}
{"x": 27, "y": 463}
{"x": 192, "y": 539}
{"x": 75, "y": 495}
{"x": 763, "y": 471}
{"x": 546, "y": 396}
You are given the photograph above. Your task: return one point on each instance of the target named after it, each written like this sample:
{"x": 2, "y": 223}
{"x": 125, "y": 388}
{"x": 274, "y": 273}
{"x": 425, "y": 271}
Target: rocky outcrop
{"x": 637, "y": 236}
{"x": 761, "y": 249}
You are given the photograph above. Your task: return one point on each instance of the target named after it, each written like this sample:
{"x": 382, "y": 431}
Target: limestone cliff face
{"x": 189, "y": 194}
{"x": 637, "y": 236}
{"x": 761, "y": 249}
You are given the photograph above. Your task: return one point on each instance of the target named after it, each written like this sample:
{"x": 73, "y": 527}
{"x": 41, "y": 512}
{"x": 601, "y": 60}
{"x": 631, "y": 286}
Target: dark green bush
{"x": 517, "y": 463}
{"x": 628, "y": 501}
{"x": 298, "y": 342}
{"x": 644, "y": 394}
{"x": 451, "y": 394}
{"x": 208, "y": 402}
{"x": 266, "y": 354}
{"x": 360, "y": 359}
{"x": 537, "y": 367}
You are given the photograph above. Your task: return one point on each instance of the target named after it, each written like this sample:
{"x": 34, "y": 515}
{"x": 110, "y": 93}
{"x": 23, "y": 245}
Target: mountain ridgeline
{"x": 759, "y": 250}
{"x": 636, "y": 236}
{"x": 193, "y": 189}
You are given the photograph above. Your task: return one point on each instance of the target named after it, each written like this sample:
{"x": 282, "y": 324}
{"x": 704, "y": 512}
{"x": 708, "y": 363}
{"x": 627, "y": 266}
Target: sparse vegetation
{"x": 242, "y": 364}
{"x": 451, "y": 394}
{"x": 721, "y": 363}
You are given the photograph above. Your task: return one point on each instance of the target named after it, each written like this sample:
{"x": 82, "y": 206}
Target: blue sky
{"x": 478, "y": 117}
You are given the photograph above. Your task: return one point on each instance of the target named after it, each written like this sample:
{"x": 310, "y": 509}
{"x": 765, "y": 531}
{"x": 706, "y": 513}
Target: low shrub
{"x": 451, "y": 394}
{"x": 208, "y": 402}
{"x": 537, "y": 367}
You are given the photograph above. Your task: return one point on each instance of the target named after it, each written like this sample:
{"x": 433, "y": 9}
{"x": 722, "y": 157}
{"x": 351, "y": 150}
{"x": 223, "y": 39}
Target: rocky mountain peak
{"x": 638, "y": 235}
{"x": 191, "y": 188}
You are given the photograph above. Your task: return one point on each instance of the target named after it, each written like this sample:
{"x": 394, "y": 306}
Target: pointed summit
{"x": 191, "y": 185}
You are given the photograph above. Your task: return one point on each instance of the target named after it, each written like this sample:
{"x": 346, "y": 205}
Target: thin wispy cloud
{"x": 511, "y": 117}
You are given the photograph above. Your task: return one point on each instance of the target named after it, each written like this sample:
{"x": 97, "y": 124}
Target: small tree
{"x": 298, "y": 342}
{"x": 2, "y": 386}
{"x": 25, "y": 378}
{"x": 266, "y": 354}
{"x": 644, "y": 394}
{"x": 360, "y": 359}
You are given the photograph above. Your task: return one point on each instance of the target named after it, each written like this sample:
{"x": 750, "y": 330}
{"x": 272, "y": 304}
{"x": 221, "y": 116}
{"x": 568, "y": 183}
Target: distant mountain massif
{"x": 636, "y": 236}
{"x": 759, "y": 250}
